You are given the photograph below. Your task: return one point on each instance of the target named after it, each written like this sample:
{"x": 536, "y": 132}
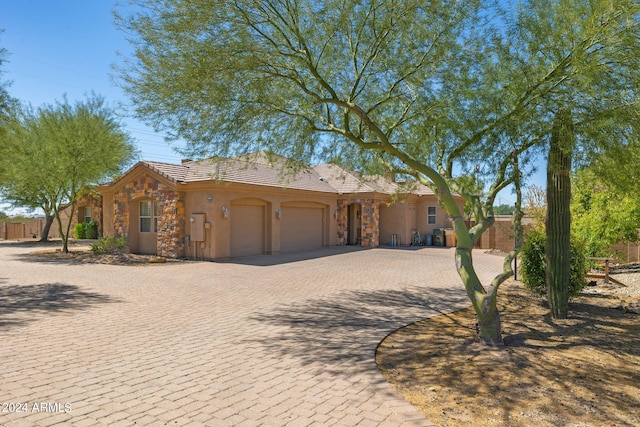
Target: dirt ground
{"x": 582, "y": 371}
{"x": 113, "y": 259}
{"x": 79, "y": 252}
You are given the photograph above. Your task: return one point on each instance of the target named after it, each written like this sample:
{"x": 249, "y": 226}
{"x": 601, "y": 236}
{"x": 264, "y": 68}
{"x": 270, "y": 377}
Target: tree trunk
{"x": 65, "y": 237}
{"x": 44, "y": 236}
{"x": 489, "y": 325}
{"x": 64, "y": 229}
{"x": 558, "y": 221}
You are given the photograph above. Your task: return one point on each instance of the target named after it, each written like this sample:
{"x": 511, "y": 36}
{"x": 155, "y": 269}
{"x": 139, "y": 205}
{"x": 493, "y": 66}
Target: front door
{"x": 146, "y": 228}
{"x": 354, "y": 225}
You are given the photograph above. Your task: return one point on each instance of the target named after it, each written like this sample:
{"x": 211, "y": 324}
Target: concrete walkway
{"x": 283, "y": 340}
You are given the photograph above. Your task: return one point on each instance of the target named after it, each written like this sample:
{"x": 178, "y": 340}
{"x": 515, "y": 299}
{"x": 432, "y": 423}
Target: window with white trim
{"x": 431, "y": 215}
{"x": 148, "y": 216}
{"x": 87, "y": 214}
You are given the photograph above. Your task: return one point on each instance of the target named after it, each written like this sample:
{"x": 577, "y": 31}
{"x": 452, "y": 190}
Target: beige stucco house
{"x": 257, "y": 204}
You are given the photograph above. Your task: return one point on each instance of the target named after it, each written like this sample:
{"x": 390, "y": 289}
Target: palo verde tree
{"x": 52, "y": 153}
{"x": 425, "y": 89}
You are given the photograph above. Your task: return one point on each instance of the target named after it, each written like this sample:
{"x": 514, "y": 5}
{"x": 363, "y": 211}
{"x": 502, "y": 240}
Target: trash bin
{"x": 450, "y": 237}
{"x": 438, "y": 237}
{"x": 428, "y": 239}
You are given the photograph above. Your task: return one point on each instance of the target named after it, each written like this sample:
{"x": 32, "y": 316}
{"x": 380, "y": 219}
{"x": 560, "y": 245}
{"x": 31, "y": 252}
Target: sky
{"x": 69, "y": 47}
{"x": 58, "y": 48}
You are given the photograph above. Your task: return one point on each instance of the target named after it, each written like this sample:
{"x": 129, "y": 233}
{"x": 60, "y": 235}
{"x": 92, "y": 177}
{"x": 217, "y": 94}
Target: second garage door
{"x": 301, "y": 228}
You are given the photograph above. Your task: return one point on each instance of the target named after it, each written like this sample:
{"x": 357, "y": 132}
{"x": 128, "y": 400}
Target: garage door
{"x": 247, "y": 230}
{"x": 300, "y": 228}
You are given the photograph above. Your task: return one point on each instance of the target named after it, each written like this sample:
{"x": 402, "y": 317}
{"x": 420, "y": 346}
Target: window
{"x": 431, "y": 215}
{"x": 148, "y": 216}
{"x": 87, "y": 214}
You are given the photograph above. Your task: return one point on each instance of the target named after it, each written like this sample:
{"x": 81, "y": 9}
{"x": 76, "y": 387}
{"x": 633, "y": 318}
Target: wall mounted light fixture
{"x": 278, "y": 213}
{"x": 335, "y": 213}
{"x": 225, "y": 212}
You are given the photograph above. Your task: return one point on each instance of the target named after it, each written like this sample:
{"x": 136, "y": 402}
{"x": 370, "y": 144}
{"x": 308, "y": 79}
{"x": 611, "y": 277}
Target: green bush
{"x": 91, "y": 230}
{"x": 533, "y": 267}
{"x": 86, "y": 230}
{"x": 109, "y": 245}
{"x": 80, "y": 231}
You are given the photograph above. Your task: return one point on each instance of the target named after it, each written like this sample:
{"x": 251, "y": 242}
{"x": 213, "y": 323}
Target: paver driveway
{"x": 269, "y": 341}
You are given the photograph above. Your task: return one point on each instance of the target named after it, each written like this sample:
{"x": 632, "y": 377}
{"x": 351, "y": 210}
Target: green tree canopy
{"x": 51, "y": 153}
{"x": 602, "y": 214}
{"x": 427, "y": 89}
{"x": 7, "y": 103}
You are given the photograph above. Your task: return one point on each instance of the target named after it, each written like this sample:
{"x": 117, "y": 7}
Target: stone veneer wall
{"x": 370, "y": 223}
{"x": 171, "y": 212}
{"x": 370, "y": 220}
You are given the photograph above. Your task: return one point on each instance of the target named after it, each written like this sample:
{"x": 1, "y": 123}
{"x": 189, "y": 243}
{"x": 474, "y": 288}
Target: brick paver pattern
{"x": 280, "y": 340}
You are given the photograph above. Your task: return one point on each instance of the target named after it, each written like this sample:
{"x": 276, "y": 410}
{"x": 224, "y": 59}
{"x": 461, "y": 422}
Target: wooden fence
{"x": 500, "y": 236}
{"x": 26, "y": 230}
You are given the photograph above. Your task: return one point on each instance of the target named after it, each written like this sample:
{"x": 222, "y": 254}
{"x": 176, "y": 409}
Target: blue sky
{"x": 58, "y": 48}
{"x": 69, "y": 47}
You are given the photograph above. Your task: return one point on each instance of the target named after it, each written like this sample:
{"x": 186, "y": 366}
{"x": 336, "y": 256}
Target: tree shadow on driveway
{"x": 20, "y": 304}
{"x": 39, "y": 258}
{"x": 347, "y": 327}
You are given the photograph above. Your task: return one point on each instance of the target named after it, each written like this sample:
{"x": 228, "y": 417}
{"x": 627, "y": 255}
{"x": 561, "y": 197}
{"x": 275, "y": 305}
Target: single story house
{"x": 257, "y": 204}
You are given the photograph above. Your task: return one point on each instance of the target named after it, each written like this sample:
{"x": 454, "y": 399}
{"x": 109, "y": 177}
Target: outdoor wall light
{"x": 278, "y": 213}
{"x": 335, "y": 213}
{"x": 225, "y": 212}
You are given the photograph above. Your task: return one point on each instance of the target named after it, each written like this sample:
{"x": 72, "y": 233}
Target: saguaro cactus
{"x": 558, "y": 221}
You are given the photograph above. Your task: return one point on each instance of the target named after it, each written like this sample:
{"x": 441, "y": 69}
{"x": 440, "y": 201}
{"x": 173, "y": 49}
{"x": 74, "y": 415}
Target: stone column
{"x": 171, "y": 223}
{"x": 371, "y": 223}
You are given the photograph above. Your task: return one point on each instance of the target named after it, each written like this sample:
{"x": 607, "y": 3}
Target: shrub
{"x": 109, "y": 245}
{"x": 534, "y": 264}
{"x": 91, "y": 230}
{"x": 86, "y": 230}
{"x": 80, "y": 231}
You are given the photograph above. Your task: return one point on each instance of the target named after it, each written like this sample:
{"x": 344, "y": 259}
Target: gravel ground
{"x": 632, "y": 282}
{"x": 628, "y": 274}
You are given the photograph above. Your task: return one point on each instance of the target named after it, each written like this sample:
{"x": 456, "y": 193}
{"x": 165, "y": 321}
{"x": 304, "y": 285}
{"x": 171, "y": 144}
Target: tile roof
{"x": 170, "y": 171}
{"x": 346, "y": 182}
{"x": 343, "y": 180}
{"x": 273, "y": 171}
